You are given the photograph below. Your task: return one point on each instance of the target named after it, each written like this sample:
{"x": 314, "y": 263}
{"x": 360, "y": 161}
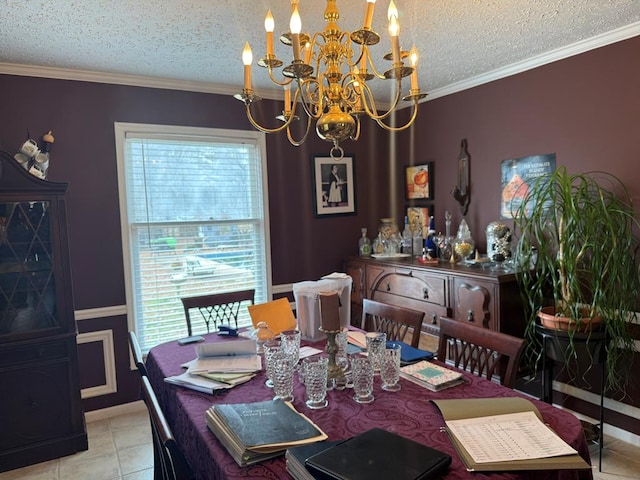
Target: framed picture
{"x": 419, "y": 217}
{"x": 419, "y": 181}
{"x": 518, "y": 176}
{"x": 333, "y": 186}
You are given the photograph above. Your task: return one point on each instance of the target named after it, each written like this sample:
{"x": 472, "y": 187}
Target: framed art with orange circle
{"x": 419, "y": 182}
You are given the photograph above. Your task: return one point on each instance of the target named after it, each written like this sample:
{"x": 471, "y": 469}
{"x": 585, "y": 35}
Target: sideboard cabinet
{"x": 474, "y": 294}
{"x": 41, "y": 414}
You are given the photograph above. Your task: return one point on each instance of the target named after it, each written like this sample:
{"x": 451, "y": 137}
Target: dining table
{"x": 409, "y": 412}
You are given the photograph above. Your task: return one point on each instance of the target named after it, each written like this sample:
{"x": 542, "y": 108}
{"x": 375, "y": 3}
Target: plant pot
{"x": 549, "y": 319}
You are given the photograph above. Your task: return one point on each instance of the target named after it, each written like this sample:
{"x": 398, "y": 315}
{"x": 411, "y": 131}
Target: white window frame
{"x": 121, "y": 132}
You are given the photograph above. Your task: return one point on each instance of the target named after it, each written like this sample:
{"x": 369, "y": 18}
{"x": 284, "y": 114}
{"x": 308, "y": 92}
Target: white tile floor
{"x": 120, "y": 449}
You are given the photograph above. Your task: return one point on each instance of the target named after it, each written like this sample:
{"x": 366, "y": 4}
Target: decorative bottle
{"x": 364, "y": 244}
{"x": 445, "y": 246}
{"x": 418, "y": 239}
{"x": 407, "y": 237}
{"x": 429, "y": 243}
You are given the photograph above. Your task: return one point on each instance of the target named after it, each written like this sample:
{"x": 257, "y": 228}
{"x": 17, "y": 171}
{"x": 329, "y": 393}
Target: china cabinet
{"x": 41, "y": 412}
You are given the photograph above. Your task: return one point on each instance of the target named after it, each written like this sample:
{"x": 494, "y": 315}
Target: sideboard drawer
{"x": 413, "y": 285}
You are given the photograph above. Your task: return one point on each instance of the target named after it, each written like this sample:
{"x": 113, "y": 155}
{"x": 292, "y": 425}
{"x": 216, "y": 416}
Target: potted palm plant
{"x": 577, "y": 256}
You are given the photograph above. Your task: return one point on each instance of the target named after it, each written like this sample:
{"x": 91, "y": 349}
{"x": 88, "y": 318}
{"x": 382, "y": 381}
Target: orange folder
{"x": 277, "y": 314}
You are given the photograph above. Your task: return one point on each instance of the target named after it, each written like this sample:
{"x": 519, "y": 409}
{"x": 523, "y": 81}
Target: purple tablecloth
{"x": 408, "y": 412}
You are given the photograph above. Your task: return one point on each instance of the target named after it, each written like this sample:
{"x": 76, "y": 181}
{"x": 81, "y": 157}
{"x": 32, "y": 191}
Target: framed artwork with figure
{"x": 419, "y": 182}
{"x": 333, "y": 186}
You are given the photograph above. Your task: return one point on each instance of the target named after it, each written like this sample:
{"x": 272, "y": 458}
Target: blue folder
{"x": 409, "y": 354}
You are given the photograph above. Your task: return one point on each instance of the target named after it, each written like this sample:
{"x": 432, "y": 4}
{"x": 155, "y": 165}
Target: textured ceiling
{"x": 201, "y": 40}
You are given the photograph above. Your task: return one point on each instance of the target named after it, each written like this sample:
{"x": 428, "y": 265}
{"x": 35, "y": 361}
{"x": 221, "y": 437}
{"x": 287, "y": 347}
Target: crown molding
{"x": 551, "y": 56}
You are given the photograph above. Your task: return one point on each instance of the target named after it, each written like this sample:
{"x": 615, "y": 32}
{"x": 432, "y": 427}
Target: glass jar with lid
{"x": 463, "y": 245}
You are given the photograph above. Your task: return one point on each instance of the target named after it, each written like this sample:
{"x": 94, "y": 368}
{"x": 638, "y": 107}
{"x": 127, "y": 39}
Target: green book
{"x": 255, "y": 431}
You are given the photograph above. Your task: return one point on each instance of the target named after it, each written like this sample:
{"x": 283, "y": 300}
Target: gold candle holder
{"x": 335, "y": 374}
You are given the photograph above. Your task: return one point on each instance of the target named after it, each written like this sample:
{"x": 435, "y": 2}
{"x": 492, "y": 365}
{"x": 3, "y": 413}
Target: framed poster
{"x": 419, "y": 181}
{"x": 333, "y": 186}
{"x": 419, "y": 217}
{"x": 518, "y": 176}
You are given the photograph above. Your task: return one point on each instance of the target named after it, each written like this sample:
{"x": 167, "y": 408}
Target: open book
{"x": 499, "y": 434}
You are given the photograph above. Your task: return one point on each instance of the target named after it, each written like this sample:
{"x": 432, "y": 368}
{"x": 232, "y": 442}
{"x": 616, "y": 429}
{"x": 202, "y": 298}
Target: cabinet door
{"x": 474, "y": 302}
{"x": 27, "y": 274}
{"x": 37, "y": 397}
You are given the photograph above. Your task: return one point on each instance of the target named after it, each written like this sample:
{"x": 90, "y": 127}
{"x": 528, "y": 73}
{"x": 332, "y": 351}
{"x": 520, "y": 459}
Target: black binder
{"x": 378, "y": 453}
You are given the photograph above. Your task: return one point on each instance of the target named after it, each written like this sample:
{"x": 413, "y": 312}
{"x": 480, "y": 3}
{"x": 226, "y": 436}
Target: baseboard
{"x": 123, "y": 409}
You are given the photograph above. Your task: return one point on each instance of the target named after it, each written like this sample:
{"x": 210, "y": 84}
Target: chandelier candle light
{"x": 331, "y": 71}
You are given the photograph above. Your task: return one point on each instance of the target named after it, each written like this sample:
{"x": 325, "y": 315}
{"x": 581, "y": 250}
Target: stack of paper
{"x": 431, "y": 376}
{"x": 253, "y": 432}
{"x": 226, "y": 357}
{"x": 219, "y": 366}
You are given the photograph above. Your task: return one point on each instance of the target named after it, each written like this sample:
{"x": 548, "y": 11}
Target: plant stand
{"x": 554, "y": 346}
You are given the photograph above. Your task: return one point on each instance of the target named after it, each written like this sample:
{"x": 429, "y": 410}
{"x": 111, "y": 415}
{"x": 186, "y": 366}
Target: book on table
{"x": 378, "y": 453}
{"x": 431, "y": 376}
{"x": 296, "y": 458}
{"x": 253, "y": 432}
{"x": 502, "y": 434}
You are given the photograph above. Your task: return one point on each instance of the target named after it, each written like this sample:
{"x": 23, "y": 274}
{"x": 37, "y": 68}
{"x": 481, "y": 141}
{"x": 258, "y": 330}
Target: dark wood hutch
{"x": 41, "y": 414}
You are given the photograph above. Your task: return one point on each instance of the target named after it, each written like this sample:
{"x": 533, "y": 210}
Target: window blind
{"x": 195, "y": 224}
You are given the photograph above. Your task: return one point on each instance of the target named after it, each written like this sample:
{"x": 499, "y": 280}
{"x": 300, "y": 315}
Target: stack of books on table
{"x": 253, "y": 432}
{"x": 219, "y": 366}
{"x": 431, "y": 376}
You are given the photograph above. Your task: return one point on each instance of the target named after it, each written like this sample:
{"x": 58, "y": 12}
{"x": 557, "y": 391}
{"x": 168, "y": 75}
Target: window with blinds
{"x": 194, "y": 221}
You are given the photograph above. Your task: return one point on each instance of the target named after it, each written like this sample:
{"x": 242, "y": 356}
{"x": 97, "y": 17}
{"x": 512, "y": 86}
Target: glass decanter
{"x": 463, "y": 245}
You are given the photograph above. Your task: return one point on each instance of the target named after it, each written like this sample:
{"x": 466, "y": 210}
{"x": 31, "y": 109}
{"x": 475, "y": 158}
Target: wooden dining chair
{"x": 169, "y": 463}
{"x": 479, "y": 350}
{"x": 393, "y": 320}
{"x": 136, "y": 352}
{"x": 218, "y": 307}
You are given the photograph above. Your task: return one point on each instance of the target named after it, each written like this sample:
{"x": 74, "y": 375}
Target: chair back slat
{"x": 481, "y": 351}
{"x": 217, "y": 308}
{"x": 397, "y": 322}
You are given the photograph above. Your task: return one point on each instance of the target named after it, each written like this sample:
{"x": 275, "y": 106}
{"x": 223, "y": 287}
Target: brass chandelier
{"x": 331, "y": 76}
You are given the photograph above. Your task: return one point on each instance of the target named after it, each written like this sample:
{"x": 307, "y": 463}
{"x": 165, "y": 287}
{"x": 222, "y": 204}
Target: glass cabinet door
{"x": 27, "y": 289}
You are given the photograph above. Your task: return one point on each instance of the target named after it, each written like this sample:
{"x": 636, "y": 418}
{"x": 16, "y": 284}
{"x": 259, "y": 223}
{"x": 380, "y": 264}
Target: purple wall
{"x": 586, "y": 109}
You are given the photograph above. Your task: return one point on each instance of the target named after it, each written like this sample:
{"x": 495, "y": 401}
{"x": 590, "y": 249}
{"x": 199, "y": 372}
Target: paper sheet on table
{"x": 357, "y": 338}
{"x": 504, "y": 438}
{"x": 229, "y": 363}
{"x": 218, "y": 349}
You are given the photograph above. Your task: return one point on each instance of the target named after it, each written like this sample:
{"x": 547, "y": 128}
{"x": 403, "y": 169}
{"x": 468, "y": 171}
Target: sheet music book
{"x": 500, "y": 434}
{"x": 253, "y": 432}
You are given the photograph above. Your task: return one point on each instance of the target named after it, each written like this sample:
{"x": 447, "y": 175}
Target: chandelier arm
{"x": 355, "y": 136}
{"x": 297, "y": 143}
{"x": 284, "y": 83}
{"x": 403, "y": 127}
{"x": 307, "y": 101}
{"x": 268, "y": 130}
{"x": 374, "y": 114}
{"x": 375, "y": 72}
